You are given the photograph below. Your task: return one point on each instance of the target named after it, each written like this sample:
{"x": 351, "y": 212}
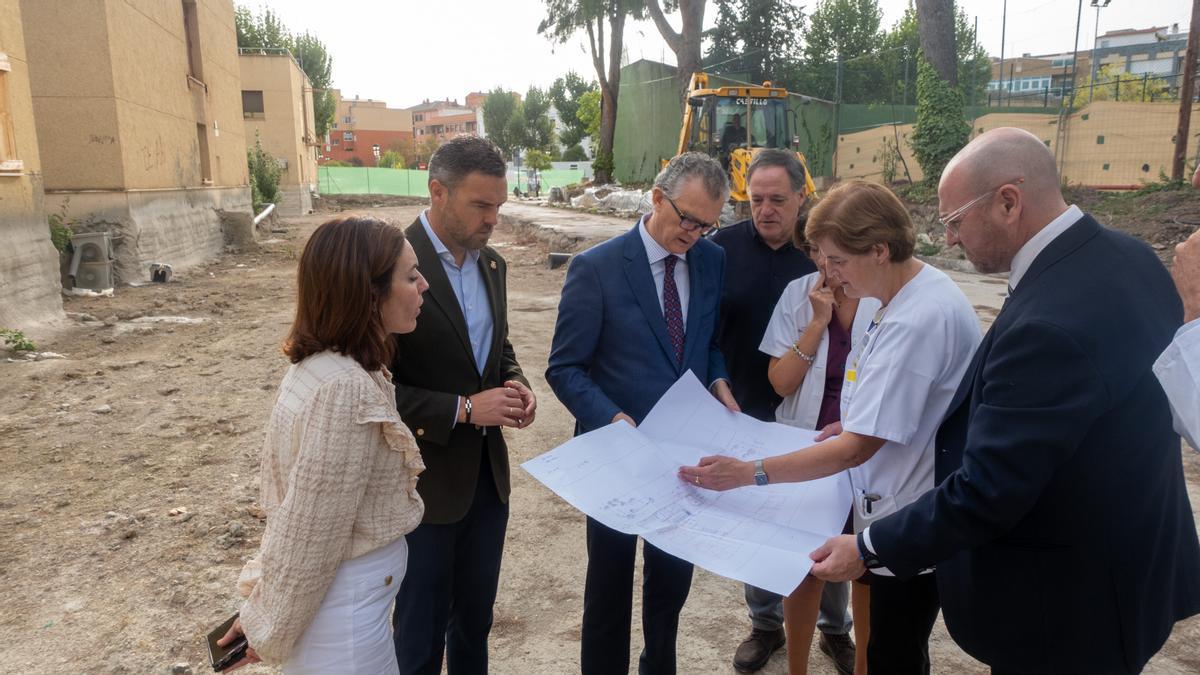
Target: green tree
{"x": 589, "y": 116}
{"x": 264, "y": 175}
{"x": 504, "y": 121}
{"x": 941, "y": 129}
{"x": 266, "y": 31}
{"x": 757, "y": 37}
{"x": 1114, "y": 85}
{"x": 538, "y": 131}
{"x": 599, "y": 19}
{"x": 564, "y": 94}
{"x": 537, "y": 159}
{"x": 899, "y": 51}
{"x": 574, "y": 153}
{"x": 846, "y": 28}
{"x": 390, "y": 159}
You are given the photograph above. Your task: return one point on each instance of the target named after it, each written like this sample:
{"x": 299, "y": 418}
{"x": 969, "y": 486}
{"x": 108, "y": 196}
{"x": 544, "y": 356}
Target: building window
{"x": 347, "y": 135}
{"x": 191, "y": 31}
{"x": 336, "y": 141}
{"x": 346, "y": 119}
{"x": 9, "y": 164}
{"x": 418, "y": 117}
{"x": 335, "y": 125}
{"x": 252, "y": 104}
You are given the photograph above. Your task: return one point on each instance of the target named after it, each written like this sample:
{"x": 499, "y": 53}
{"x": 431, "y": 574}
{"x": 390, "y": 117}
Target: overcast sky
{"x": 404, "y": 51}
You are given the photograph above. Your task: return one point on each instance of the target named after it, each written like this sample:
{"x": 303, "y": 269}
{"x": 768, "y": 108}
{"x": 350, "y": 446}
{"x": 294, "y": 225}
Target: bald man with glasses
{"x": 1060, "y": 527}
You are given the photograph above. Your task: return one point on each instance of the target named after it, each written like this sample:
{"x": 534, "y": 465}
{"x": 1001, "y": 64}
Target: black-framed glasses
{"x": 688, "y": 222}
{"x": 952, "y": 220}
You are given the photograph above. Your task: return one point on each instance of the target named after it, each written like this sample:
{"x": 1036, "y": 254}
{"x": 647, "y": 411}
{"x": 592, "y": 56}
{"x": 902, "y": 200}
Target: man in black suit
{"x": 457, "y": 384}
{"x": 1060, "y": 526}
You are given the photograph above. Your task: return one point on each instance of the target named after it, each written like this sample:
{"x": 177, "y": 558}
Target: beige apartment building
{"x": 138, "y": 111}
{"x": 29, "y": 264}
{"x": 277, "y": 106}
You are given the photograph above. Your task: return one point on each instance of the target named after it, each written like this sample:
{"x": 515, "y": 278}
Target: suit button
{"x": 944, "y": 451}
{"x": 421, "y": 432}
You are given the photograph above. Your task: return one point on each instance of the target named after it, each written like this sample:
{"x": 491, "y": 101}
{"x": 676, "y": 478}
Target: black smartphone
{"x": 223, "y": 657}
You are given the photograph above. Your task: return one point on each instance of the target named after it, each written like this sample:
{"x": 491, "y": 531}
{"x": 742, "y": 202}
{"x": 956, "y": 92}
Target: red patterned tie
{"x": 671, "y": 308}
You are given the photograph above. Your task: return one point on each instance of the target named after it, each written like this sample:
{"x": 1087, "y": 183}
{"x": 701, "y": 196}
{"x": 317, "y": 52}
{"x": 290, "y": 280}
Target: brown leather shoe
{"x": 756, "y": 650}
{"x": 840, "y": 648}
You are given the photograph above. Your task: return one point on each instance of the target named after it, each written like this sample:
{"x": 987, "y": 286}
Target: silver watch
{"x": 760, "y": 474}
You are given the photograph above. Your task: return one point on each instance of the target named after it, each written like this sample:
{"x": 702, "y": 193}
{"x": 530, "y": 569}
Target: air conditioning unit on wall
{"x": 91, "y": 266}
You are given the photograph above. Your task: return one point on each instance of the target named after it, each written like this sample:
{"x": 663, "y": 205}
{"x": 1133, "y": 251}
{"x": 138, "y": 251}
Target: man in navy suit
{"x": 636, "y": 313}
{"x": 1060, "y": 526}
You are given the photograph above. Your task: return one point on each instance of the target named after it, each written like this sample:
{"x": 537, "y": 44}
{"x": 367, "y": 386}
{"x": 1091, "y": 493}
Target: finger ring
{"x": 697, "y": 480}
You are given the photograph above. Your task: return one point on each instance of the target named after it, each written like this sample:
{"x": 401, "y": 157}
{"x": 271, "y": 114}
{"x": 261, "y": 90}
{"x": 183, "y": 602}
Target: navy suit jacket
{"x": 1060, "y": 525}
{"x": 611, "y": 352}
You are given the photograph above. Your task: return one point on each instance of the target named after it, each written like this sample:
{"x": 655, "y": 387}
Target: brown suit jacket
{"x": 434, "y": 366}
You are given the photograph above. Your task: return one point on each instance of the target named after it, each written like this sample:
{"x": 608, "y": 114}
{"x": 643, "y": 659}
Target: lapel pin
{"x": 493, "y": 264}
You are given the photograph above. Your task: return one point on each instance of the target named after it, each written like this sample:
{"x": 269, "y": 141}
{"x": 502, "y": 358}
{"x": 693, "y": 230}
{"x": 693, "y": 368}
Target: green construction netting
{"x": 334, "y": 180}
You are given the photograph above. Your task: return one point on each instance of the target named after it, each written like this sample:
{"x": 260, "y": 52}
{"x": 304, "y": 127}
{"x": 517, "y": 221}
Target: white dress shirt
{"x": 1038, "y": 242}
{"x": 658, "y": 268}
{"x": 1178, "y": 370}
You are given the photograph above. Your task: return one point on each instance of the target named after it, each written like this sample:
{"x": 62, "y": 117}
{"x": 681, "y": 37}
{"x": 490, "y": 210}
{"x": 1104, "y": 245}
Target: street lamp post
{"x": 1098, "y": 4}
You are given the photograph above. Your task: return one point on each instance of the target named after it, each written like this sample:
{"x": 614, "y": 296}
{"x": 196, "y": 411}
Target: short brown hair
{"x": 345, "y": 274}
{"x": 858, "y": 215}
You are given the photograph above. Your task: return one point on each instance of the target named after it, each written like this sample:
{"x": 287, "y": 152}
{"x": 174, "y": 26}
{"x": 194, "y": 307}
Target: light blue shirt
{"x": 472, "y": 295}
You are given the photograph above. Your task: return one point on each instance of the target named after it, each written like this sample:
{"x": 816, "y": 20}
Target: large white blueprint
{"x": 628, "y": 479}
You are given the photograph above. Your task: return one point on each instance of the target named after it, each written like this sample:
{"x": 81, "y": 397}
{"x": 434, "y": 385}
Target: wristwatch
{"x": 870, "y": 560}
{"x": 760, "y": 474}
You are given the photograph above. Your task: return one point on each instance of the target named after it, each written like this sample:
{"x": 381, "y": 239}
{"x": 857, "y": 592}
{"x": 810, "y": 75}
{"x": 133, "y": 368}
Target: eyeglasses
{"x": 951, "y": 221}
{"x": 689, "y": 223}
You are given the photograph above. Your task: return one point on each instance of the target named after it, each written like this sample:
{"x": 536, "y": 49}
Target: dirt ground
{"x": 130, "y": 495}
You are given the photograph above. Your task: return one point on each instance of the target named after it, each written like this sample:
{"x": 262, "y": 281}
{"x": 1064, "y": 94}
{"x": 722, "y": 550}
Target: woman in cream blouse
{"x": 339, "y": 469}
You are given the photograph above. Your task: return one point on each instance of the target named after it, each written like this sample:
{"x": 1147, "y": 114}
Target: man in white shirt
{"x": 1178, "y": 369}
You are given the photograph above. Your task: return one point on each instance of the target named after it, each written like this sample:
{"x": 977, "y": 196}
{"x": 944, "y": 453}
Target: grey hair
{"x": 783, "y": 158}
{"x": 693, "y": 165}
{"x": 463, "y": 155}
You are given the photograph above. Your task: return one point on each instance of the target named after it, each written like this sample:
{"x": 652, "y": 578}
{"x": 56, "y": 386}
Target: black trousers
{"x": 608, "y": 603}
{"x": 902, "y": 617}
{"x": 445, "y": 601}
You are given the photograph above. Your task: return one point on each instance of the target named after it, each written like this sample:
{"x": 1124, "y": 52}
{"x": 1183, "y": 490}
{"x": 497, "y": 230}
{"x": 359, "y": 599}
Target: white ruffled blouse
{"x": 339, "y": 479}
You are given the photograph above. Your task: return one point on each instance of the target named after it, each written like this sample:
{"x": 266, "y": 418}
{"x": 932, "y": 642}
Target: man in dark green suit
{"x": 457, "y": 384}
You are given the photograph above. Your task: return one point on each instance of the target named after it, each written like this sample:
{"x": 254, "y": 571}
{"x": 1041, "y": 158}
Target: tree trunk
{"x": 685, "y": 44}
{"x": 935, "y": 24}
{"x": 608, "y": 128}
{"x": 609, "y": 79}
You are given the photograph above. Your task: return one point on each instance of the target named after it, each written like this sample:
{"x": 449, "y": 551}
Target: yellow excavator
{"x": 732, "y": 124}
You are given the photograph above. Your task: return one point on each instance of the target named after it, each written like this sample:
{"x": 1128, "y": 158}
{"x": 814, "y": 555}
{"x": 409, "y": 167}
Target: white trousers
{"x": 352, "y": 631}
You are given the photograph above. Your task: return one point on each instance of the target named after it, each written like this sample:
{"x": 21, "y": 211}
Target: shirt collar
{"x": 440, "y": 248}
{"x": 654, "y": 250}
{"x": 1038, "y": 243}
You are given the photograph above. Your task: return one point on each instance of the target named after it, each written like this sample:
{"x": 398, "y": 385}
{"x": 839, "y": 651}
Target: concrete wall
{"x": 126, "y": 111}
{"x": 28, "y": 262}
{"x": 286, "y": 123}
{"x": 182, "y": 227}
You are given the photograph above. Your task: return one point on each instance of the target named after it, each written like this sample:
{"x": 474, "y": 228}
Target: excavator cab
{"x": 732, "y": 123}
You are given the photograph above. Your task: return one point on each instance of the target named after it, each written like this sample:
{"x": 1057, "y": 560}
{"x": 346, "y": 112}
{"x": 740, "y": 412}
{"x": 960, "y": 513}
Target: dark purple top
{"x": 835, "y": 371}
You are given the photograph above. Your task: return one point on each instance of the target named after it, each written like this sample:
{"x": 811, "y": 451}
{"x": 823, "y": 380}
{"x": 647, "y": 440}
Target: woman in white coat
{"x": 809, "y": 339}
{"x": 899, "y": 381}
